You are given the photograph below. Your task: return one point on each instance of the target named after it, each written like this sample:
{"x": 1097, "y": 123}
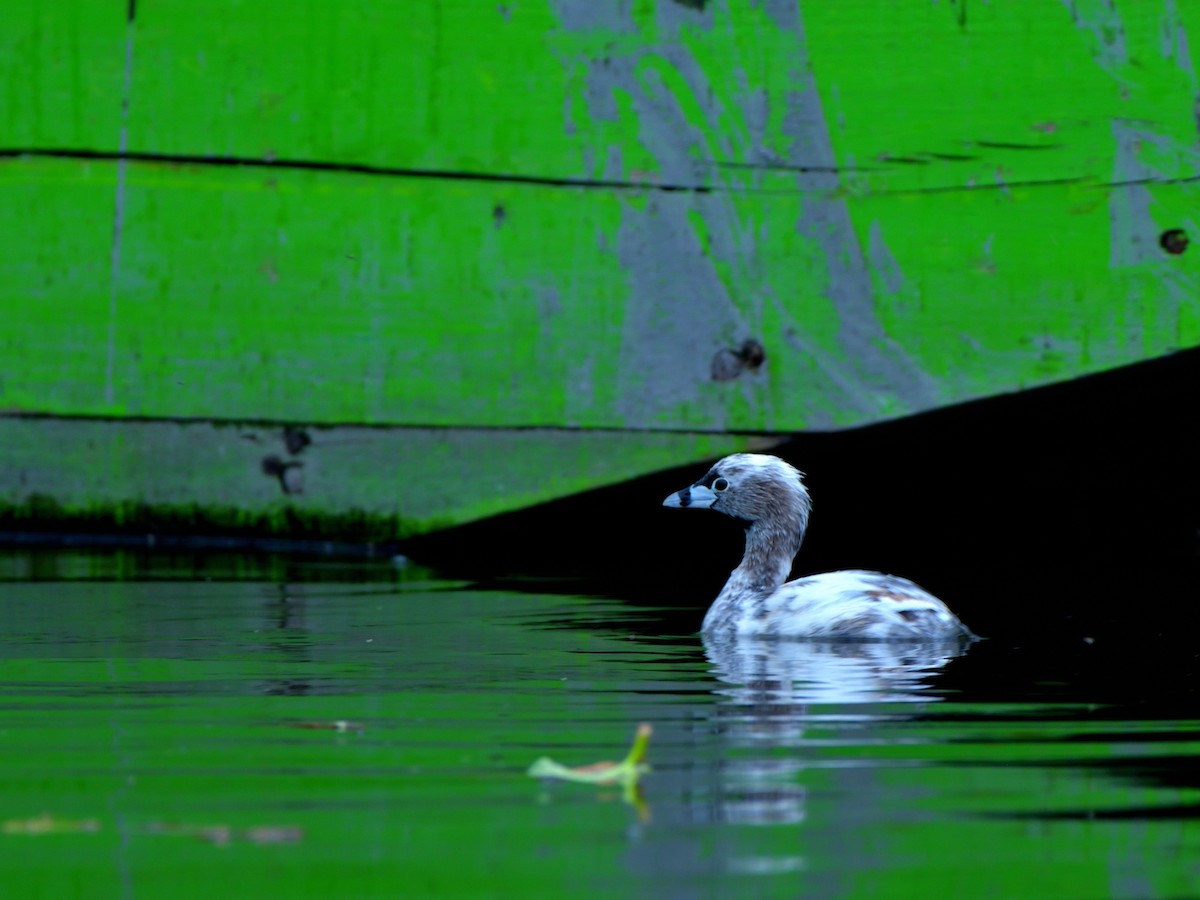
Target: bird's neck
{"x": 767, "y": 562}
{"x": 771, "y": 545}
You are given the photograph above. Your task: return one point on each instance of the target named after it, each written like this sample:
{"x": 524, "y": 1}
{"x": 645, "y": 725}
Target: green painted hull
{"x": 530, "y": 243}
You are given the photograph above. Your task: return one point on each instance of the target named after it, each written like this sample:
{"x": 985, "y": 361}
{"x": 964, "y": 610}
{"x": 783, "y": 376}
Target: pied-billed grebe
{"x": 770, "y": 497}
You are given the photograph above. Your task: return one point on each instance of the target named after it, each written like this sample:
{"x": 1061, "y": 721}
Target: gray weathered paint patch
{"x": 869, "y": 354}
{"x": 1174, "y": 38}
{"x": 1101, "y": 20}
{"x": 883, "y": 263}
{"x": 1134, "y": 237}
{"x": 1135, "y": 233}
{"x": 681, "y": 311}
{"x": 615, "y": 16}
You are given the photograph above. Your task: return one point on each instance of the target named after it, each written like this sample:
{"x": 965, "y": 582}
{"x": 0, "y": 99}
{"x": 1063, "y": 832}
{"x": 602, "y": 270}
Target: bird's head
{"x": 751, "y": 487}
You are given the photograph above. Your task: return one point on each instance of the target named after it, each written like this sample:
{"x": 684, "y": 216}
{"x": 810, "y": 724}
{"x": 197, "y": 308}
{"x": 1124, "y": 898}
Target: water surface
{"x": 289, "y": 729}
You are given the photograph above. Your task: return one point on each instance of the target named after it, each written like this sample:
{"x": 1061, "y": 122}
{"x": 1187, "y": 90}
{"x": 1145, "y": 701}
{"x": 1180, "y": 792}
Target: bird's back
{"x": 851, "y": 604}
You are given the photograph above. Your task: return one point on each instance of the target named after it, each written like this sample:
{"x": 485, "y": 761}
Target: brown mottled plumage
{"x": 770, "y": 496}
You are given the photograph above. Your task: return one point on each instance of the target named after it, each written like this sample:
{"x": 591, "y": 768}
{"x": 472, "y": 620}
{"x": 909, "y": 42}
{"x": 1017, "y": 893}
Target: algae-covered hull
{"x": 482, "y": 255}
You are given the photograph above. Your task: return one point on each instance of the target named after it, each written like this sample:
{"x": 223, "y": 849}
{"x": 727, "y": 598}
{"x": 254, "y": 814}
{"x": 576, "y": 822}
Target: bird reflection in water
{"x": 773, "y": 691}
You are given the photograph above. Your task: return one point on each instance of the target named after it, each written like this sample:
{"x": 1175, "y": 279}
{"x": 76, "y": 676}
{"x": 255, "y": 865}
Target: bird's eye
{"x": 720, "y": 484}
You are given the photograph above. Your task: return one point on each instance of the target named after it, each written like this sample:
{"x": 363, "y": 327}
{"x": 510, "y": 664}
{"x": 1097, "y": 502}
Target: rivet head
{"x": 1174, "y": 241}
{"x": 290, "y": 473}
{"x": 295, "y": 439}
{"x": 728, "y": 364}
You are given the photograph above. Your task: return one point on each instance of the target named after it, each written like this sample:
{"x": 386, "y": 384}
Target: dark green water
{"x": 168, "y": 731}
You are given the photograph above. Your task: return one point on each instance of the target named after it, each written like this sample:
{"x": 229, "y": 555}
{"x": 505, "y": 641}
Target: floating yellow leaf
{"x": 626, "y": 772}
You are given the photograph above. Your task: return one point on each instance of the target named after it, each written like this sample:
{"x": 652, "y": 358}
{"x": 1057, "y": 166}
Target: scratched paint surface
{"x": 959, "y": 237}
{"x": 557, "y": 213}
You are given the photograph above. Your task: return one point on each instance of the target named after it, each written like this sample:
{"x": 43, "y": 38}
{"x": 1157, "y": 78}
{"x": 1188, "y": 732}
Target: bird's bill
{"x": 695, "y": 497}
